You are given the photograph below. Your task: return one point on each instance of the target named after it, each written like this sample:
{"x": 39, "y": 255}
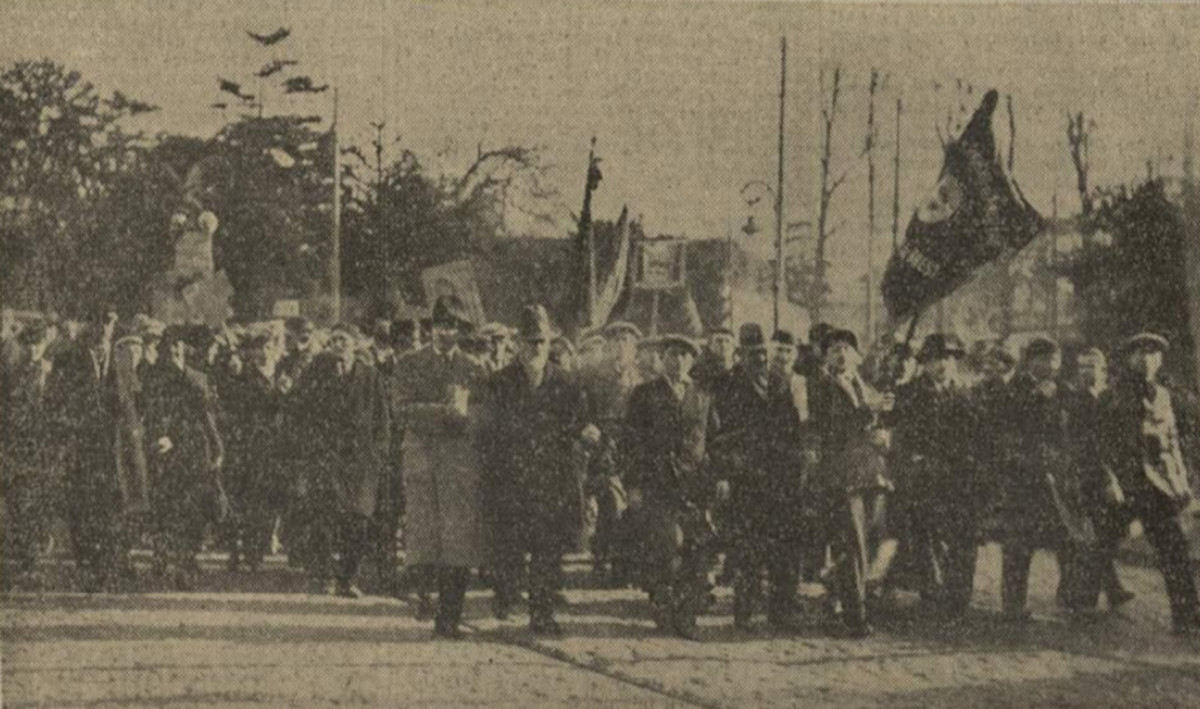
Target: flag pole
{"x": 779, "y": 265}
{"x": 335, "y": 259}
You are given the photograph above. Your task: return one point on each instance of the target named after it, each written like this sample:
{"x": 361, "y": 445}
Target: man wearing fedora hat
{"x": 532, "y": 422}
{"x": 934, "y": 506}
{"x": 1140, "y": 445}
{"x": 850, "y": 476}
{"x": 671, "y": 419}
{"x": 436, "y": 390}
{"x": 765, "y": 435}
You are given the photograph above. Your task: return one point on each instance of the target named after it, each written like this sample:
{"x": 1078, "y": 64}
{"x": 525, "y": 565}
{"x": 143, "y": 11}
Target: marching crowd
{"x": 750, "y": 461}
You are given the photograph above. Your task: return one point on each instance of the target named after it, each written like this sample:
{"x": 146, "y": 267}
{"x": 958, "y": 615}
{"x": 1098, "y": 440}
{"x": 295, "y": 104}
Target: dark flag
{"x": 975, "y": 215}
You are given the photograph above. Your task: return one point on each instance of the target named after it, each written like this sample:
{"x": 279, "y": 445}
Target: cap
{"x": 679, "y": 342}
{"x": 617, "y": 327}
{"x": 449, "y": 311}
{"x": 1148, "y": 341}
{"x": 784, "y": 337}
{"x": 1040, "y": 347}
{"x": 835, "y": 335}
{"x": 941, "y": 345}
{"x": 348, "y": 328}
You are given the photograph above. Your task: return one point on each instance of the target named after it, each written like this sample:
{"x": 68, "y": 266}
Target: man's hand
{"x": 723, "y": 490}
{"x": 811, "y": 457}
{"x": 635, "y": 498}
{"x": 591, "y": 434}
{"x": 165, "y": 445}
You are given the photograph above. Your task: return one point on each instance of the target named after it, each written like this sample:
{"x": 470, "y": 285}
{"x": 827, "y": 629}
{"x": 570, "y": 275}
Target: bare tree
{"x": 1078, "y": 136}
{"x": 869, "y": 151}
{"x": 829, "y": 185}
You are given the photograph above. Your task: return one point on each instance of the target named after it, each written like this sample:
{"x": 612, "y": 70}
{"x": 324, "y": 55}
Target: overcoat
{"x": 1041, "y": 492}
{"x": 530, "y": 443}
{"x": 443, "y": 521}
{"x": 850, "y": 463}
{"x": 255, "y": 409}
{"x": 345, "y": 426}
{"x": 181, "y": 406}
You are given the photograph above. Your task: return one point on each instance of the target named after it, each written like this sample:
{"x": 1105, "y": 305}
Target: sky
{"x": 682, "y": 96}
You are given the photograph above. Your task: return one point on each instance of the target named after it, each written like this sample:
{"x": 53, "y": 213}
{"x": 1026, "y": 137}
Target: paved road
{"x": 279, "y": 648}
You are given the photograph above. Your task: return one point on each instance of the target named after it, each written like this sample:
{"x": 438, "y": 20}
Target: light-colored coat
{"x": 443, "y": 522}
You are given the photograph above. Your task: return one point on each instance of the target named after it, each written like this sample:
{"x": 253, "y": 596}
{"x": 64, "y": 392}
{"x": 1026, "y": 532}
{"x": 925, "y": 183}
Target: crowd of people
{"x": 750, "y": 461}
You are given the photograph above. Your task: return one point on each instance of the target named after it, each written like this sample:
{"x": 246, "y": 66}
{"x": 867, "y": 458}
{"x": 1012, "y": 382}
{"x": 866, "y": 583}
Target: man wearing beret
{"x": 532, "y": 422}
{"x": 436, "y": 393}
{"x": 936, "y": 496}
{"x": 765, "y": 449}
{"x": 671, "y": 419}
{"x": 1140, "y": 445}
{"x": 344, "y": 419}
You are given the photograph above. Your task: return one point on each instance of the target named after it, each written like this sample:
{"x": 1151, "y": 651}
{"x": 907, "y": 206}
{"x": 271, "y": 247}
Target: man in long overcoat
{"x": 81, "y": 401}
{"x": 671, "y": 420}
{"x": 187, "y": 454}
{"x": 25, "y": 464}
{"x": 851, "y": 471}
{"x": 436, "y": 390}
{"x": 532, "y": 426}
{"x": 763, "y": 413}
{"x": 344, "y": 421}
{"x": 256, "y": 478}
{"x": 1042, "y": 503}
{"x": 936, "y": 426}
{"x": 1140, "y": 444}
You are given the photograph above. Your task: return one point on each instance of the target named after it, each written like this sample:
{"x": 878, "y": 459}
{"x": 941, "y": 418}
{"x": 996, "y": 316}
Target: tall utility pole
{"x": 896, "y": 181}
{"x": 335, "y": 247}
{"x": 870, "y": 151}
{"x": 779, "y": 264}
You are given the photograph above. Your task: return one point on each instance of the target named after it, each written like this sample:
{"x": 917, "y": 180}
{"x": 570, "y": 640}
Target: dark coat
{"x": 529, "y": 441}
{"x": 82, "y": 409}
{"x": 1041, "y": 493}
{"x": 849, "y": 462}
{"x": 934, "y": 442}
{"x": 761, "y": 446}
{"x": 254, "y": 405}
{"x": 346, "y": 428}
{"x": 669, "y": 444}
{"x": 181, "y": 405}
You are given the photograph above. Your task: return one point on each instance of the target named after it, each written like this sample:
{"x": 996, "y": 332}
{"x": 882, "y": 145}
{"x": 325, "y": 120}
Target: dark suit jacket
{"x": 669, "y": 442}
{"x": 347, "y": 429}
{"x": 848, "y": 462}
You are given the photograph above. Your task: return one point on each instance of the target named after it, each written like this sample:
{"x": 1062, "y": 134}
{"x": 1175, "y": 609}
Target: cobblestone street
{"x": 227, "y": 647}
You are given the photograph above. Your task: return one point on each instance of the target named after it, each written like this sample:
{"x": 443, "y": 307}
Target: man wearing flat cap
{"x": 608, "y": 386}
{"x": 671, "y": 419}
{"x": 532, "y": 422}
{"x": 717, "y": 360}
{"x": 436, "y": 391}
{"x": 765, "y": 450}
{"x": 935, "y": 503}
{"x": 344, "y": 420}
{"x": 1140, "y": 445}
{"x": 1041, "y": 495}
